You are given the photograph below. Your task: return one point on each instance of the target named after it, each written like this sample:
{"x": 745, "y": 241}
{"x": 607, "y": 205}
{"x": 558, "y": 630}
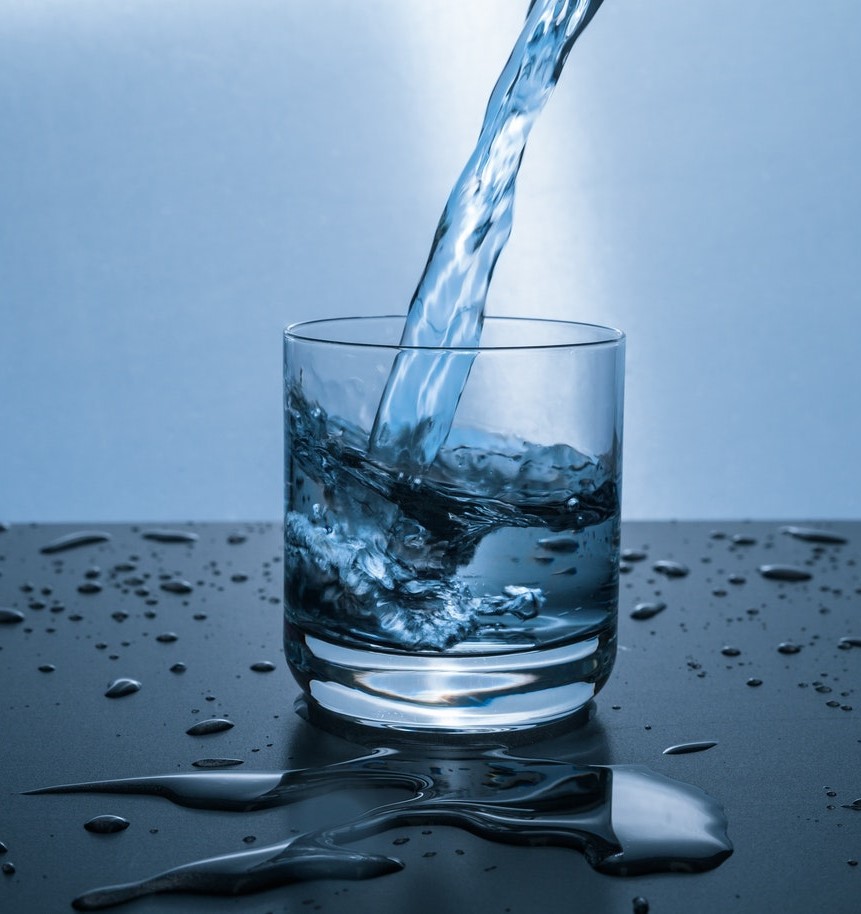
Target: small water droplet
{"x": 249, "y": 839}
{"x": 833, "y": 703}
{"x": 217, "y": 762}
{"x": 753, "y": 682}
{"x": 170, "y": 536}
{"x": 670, "y": 569}
{"x": 737, "y": 579}
{"x": 119, "y": 688}
{"x": 47, "y": 668}
{"x": 813, "y": 535}
{"x": 213, "y": 725}
{"x": 848, "y": 642}
{"x": 178, "y": 668}
{"x": 640, "y": 905}
{"x": 236, "y": 538}
{"x": 10, "y": 616}
{"x": 239, "y": 578}
{"x": 784, "y": 573}
{"x": 854, "y": 805}
{"x": 400, "y": 841}
{"x": 106, "y": 825}
{"x": 180, "y": 587}
{"x": 90, "y": 587}
{"x": 8, "y": 868}
{"x": 562, "y": 542}
{"x": 263, "y": 666}
{"x": 729, "y": 651}
{"x": 75, "y": 540}
{"x": 742, "y": 539}
{"x": 685, "y": 748}
{"x": 167, "y": 637}
{"x": 644, "y": 611}
{"x": 787, "y": 647}
{"x": 3, "y": 848}
{"x": 634, "y": 555}
{"x": 823, "y": 689}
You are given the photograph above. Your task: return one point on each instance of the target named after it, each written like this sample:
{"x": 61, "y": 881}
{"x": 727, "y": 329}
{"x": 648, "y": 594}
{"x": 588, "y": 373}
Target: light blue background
{"x": 181, "y": 178}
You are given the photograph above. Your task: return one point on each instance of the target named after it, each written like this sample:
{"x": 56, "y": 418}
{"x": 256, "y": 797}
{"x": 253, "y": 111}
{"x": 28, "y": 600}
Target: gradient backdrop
{"x": 181, "y": 178}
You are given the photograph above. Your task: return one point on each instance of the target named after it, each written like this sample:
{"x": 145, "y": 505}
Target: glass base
{"x": 464, "y": 694}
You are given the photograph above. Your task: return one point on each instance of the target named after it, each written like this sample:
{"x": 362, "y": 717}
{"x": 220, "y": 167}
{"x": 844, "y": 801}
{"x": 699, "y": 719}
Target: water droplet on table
{"x": 90, "y": 587}
{"x": 787, "y": 647}
{"x": 74, "y": 541}
{"x": 217, "y": 762}
{"x": 213, "y": 725}
{"x": 670, "y": 569}
{"x": 180, "y": 587}
{"x": 784, "y": 573}
{"x": 170, "y": 536}
{"x": 119, "y": 688}
{"x": 813, "y": 535}
{"x": 10, "y": 616}
{"x": 263, "y": 666}
{"x": 686, "y": 748}
{"x": 644, "y": 611}
{"x": 106, "y": 825}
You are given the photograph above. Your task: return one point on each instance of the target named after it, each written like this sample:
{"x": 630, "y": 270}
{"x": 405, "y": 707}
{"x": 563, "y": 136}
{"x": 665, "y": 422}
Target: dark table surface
{"x": 785, "y": 766}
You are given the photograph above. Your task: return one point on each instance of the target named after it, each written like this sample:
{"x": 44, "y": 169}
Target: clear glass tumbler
{"x": 477, "y": 594}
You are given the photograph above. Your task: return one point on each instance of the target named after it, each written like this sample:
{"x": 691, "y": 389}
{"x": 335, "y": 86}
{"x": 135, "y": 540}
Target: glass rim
{"x": 299, "y": 331}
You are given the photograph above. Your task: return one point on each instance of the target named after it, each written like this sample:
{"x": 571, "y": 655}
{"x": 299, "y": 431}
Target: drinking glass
{"x": 474, "y": 592}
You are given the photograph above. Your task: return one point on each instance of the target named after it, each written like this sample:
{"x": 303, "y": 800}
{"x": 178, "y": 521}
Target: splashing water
{"x": 447, "y": 308}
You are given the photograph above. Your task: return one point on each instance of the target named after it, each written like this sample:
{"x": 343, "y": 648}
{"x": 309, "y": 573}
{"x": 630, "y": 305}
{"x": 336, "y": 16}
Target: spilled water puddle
{"x": 625, "y": 820}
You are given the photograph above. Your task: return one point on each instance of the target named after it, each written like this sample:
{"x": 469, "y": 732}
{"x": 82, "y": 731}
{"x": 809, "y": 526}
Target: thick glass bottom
{"x": 452, "y": 694}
